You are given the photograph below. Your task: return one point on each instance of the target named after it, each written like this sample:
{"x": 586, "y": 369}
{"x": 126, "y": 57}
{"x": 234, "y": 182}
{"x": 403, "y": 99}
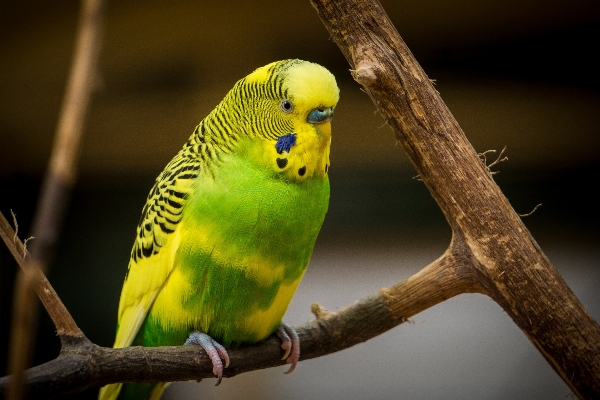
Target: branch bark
{"x": 82, "y": 364}
{"x": 502, "y": 255}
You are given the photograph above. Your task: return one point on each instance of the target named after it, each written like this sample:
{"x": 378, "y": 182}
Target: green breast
{"x": 246, "y": 238}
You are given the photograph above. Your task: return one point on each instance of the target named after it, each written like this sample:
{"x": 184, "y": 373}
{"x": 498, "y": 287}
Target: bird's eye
{"x": 286, "y": 106}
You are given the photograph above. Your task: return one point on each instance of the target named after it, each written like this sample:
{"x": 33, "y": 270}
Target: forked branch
{"x": 503, "y": 257}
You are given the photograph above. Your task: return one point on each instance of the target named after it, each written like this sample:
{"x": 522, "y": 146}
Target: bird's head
{"x": 290, "y": 105}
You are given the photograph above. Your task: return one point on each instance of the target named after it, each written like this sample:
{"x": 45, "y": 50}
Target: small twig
{"x": 32, "y": 280}
{"x": 65, "y": 325}
{"x": 320, "y": 312}
{"x": 498, "y": 160}
{"x": 483, "y": 156}
{"x": 16, "y": 225}
{"x": 531, "y": 212}
{"x": 25, "y": 244}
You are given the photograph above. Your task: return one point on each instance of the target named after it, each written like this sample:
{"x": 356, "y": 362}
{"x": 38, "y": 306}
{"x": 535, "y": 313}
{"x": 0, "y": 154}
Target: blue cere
{"x": 285, "y": 143}
{"x": 320, "y": 115}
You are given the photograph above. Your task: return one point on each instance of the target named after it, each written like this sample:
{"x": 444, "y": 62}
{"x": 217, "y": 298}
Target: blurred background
{"x": 520, "y": 74}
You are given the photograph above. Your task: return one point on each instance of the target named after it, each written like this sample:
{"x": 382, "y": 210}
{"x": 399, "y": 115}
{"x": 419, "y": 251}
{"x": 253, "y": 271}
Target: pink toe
{"x": 290, "y": 342}
{"x": 214, "y": 350}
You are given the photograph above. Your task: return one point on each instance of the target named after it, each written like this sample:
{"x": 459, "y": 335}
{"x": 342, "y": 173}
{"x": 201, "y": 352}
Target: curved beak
{"x": 320, "y": 115}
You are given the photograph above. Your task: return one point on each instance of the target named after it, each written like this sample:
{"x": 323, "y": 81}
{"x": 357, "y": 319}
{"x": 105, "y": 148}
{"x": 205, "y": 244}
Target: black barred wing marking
{"x": 164, "y": 206}
{"x": 246, "y": 106}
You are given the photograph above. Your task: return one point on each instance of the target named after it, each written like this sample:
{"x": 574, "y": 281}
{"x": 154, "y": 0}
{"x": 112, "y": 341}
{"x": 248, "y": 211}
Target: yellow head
{"x": 289, "y": 107}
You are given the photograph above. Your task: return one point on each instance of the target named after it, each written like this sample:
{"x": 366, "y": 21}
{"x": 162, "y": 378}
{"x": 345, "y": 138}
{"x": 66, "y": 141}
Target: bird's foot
{"x": 290, "y": 342}
{"x": 213, "y": 349}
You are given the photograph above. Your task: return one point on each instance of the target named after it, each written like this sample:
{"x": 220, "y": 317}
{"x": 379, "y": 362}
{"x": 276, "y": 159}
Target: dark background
{"x": 521, "y": 74}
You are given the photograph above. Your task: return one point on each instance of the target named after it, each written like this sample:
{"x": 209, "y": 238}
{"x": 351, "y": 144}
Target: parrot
{"x": 230, "y": 224}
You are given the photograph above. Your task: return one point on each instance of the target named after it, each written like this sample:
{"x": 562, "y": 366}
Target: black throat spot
{"x": 282, "y": 162}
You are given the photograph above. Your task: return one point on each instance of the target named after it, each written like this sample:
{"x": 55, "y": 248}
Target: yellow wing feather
{"x": 151, "y": 261}
{"x": 156, "y": 242}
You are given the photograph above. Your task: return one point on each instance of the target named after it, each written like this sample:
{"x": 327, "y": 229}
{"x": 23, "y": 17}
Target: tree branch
{"x": 55, "y": 194}
{"x": 82, "y": 364}
{"x": 62, "y": 168}
{"x": 505, "y": 260}
{"x": 65, "y": 325}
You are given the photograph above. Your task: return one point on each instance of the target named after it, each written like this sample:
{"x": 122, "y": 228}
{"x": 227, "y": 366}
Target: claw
{"x": 290, "y": 342}
{"x": 213, "y": 349}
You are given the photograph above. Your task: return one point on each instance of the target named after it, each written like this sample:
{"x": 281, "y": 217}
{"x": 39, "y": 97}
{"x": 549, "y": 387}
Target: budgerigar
{"x": 230, "y": 224}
